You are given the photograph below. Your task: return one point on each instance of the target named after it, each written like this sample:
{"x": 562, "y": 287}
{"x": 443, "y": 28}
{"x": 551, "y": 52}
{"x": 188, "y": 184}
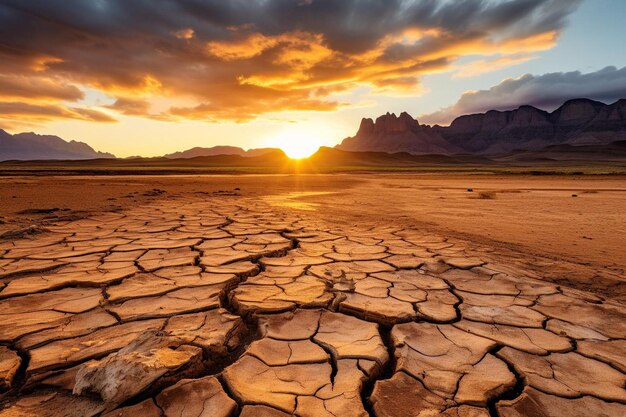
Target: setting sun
{"x": 296, "y": 144}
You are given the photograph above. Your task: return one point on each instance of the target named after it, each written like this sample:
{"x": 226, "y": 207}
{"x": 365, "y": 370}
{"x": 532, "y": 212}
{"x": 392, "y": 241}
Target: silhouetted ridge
{"x": 218, "y": 150}
{"x": 30, "y": 146}
{"x": 576, "y": 122}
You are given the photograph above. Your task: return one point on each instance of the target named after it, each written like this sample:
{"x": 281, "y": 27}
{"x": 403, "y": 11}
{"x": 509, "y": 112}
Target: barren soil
{"x": 313, "y": 296}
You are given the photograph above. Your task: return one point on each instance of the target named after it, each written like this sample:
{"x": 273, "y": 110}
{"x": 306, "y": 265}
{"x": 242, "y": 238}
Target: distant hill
{"x": 609, "y": 157}
{"x": 30, "y": 146}
{"x": 576, "y": 122}
{"x": 614, "y": 152}
{"x": 218, "y": 150}
{"x": 332, "y": 157}
{"x": 578, "y": 130}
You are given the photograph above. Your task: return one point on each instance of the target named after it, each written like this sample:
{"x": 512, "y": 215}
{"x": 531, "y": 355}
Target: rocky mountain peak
{"x": 580, "y": 121}
{"x": 391, "y": 133}
{"x": 31, "y": 146}
{"x": 577, "y": 110}
{"x": 390, "y": 123}
{"x": 366, "y": 127}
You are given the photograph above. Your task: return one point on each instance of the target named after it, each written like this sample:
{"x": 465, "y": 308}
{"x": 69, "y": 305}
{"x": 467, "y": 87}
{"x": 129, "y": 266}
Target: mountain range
{"x": 218, "y": 150}
{"x": 30, "y": 146}
{"x": 576, "y": 122}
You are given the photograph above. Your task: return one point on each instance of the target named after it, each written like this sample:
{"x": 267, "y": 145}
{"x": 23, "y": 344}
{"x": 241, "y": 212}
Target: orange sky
{"x": 150, "y": 79}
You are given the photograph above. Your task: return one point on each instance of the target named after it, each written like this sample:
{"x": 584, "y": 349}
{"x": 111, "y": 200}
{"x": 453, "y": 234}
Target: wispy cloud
{"x": 484, "y": 66}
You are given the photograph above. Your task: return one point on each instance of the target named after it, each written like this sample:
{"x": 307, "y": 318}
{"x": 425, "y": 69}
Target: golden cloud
{"x": 14, "y": 113}
{"x": 484, "y": 66}
{"x": 238, "y": 63}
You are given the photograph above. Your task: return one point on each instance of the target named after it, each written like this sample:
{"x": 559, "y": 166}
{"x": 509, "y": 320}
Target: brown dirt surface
{"x": 582, "y": 236}
{"x": 311, "y": 296}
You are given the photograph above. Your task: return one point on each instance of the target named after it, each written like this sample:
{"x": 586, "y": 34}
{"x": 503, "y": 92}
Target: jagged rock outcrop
{"x": 577, "y": 122}
{"x": 30, "y": 146}
{"x": 390, "y": 133}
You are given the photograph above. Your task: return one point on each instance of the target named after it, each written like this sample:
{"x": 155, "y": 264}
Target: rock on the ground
{"x": 9, "y": 364}
{"x": 124, "y": 374}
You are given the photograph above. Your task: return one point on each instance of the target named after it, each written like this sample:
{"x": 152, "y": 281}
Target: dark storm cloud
{"x": 546, "y": 91}
{"x": 238, "y": 59}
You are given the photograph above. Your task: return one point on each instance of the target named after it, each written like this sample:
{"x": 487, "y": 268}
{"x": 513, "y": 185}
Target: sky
{"x": 149, "y": 78}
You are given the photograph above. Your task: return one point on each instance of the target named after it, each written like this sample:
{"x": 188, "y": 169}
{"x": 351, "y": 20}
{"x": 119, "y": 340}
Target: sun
{"x": 295, "y": 143}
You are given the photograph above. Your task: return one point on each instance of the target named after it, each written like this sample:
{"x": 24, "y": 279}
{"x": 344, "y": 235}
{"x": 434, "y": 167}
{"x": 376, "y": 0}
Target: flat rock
{"x": 302, "y": 366}
{"x": 538, "y": 404}
{"x": 349, "y": 337}
{"x": 439, "y": 306}
{"x": 91, "y": 274}
{"x": 295, "y": 325}
{"x": 463, "y": 263}
{"x": 280, "y": 353}
{"x": 608, "y": 320}
{"x": 160, "y": 258}
{"x": 223, "y": 256}
{"x": 156, "y": 243}
{"x": 568, "y": 374}
{"x": 531, "y": 340}
{"x": 481, "y": 283}
{"x": 386, "y": 311}
{"x": 32, "y": 313}
{"x": 612, "y": 352}
{"x": 574, "y": 331}
{"x": 487, "y": 379}
{"x": 186, "y": 300}
{"x": 71, "y": 325}
{"x": 164, "y": 281}
{"x": 511, "y": 315}
{"x": 145, "y": 408}
{"x": 280, "y": 294}
{"x": 69, "y": 300}
{"x": 242, "y": 269}
{"x": 27, "y": 266}
{"x": 439, "y": 356}
{"x": 405, "y": 261}
{"x": 253, "y": 382}
{"x": 216, "y": 331}
{"x": 52, "y": 404}
{"x": 296, "y": 259}
{"x": 359, "y": 268}
{"x": 262, "y": 411}
{"x": 202, "y": 397}
{"x": 402, "y": 395}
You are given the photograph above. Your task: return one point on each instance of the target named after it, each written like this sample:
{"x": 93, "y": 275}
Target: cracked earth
{"x": 228, "y": 306}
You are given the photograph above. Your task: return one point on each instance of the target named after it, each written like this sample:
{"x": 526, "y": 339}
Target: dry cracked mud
{"x": 225, "y": 306}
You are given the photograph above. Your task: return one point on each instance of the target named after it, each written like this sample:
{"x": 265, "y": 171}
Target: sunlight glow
{"x": 296, "y": 143}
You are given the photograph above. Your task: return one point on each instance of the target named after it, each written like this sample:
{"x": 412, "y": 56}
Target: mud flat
{"x": 574, "y": 226}
{"x": 232, "y": 304}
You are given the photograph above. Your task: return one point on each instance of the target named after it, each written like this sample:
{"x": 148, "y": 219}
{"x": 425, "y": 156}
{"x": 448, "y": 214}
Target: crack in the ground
{"x": 385, "y": 373}
{"x": 512, "y": 393}
{"x": 250, "y": 318}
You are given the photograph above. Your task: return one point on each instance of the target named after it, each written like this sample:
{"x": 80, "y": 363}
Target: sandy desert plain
{"x": 335, "y": 295}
